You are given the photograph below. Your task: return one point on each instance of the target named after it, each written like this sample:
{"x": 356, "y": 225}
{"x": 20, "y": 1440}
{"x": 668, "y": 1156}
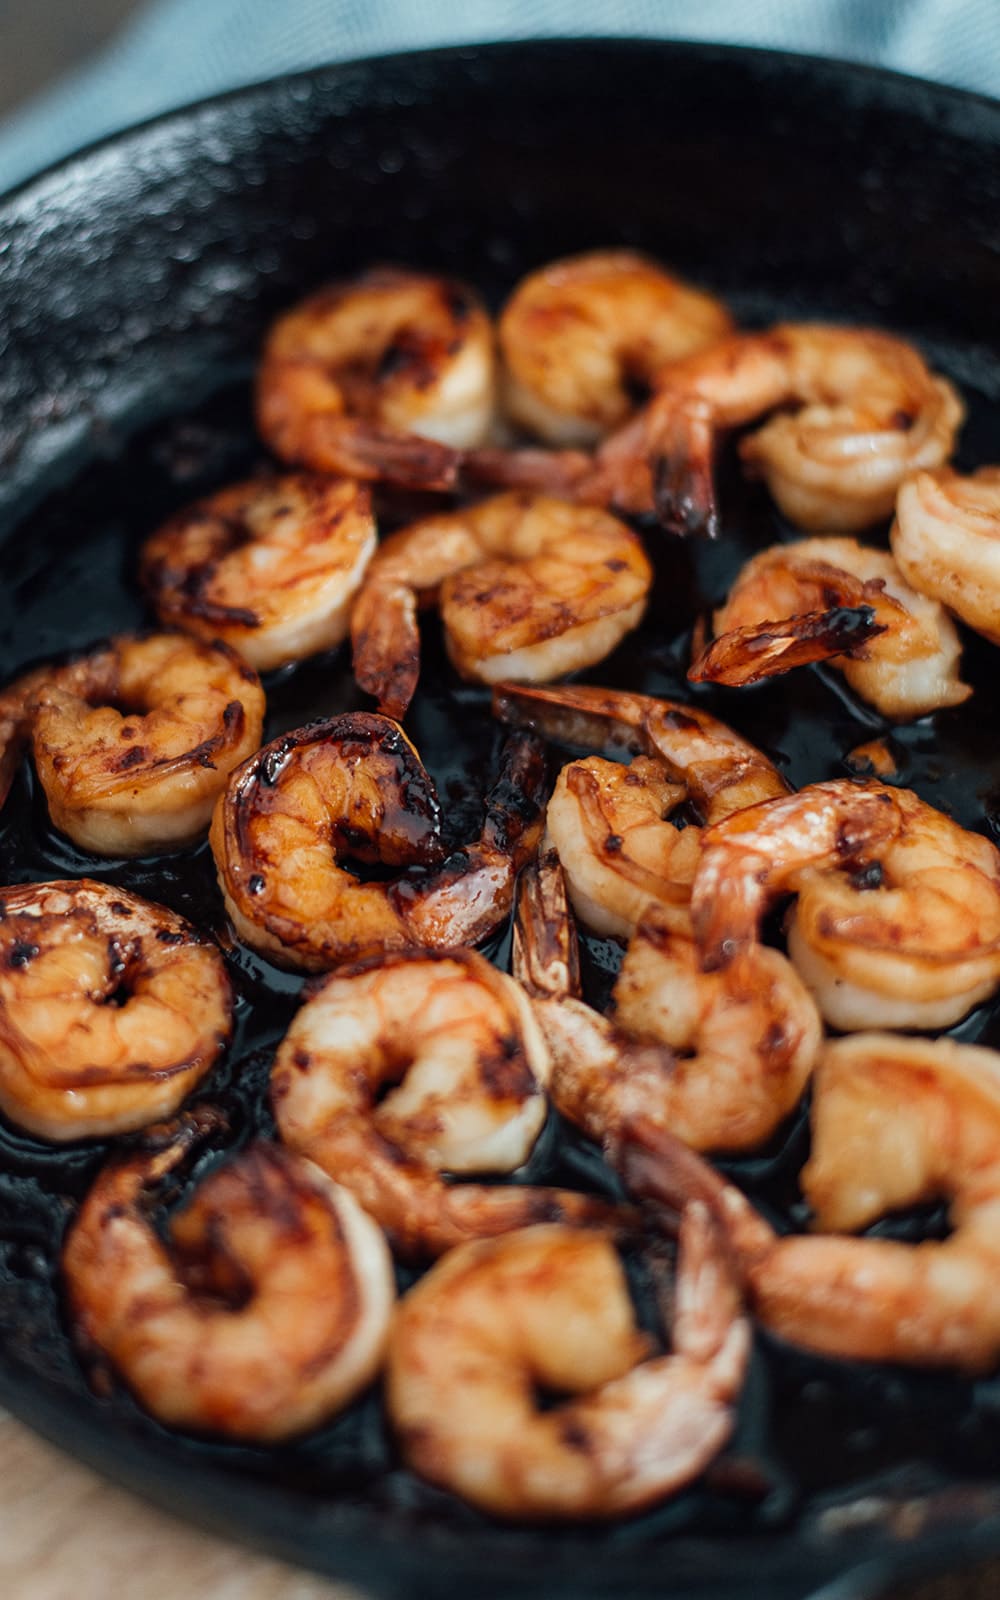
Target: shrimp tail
{"x": 668, "y": 1177}
{"x": 163, "y": 1148}
{"x": 366, "y": 450}
{"x": 683, "y": 478}
{"x": 577, "y": 714}
{"x": 707, "y": 1296}
{"x": 767, "y": 649}
{"x": 546, "y": 958}
{"x": 558, "y": 472}
{"x": 386, "y": 642}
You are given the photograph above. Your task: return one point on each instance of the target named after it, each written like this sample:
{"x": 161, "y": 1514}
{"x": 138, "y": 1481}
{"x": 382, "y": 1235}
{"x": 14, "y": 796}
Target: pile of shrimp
{"x": 523, "y": 479}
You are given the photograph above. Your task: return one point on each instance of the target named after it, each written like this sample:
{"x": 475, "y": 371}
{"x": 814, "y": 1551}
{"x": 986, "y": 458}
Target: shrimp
{"x": 835, "y": 599}
{"x": 529, "y": 587}
{"x": 270, "y": 566}
{"x": 897, "y": 923}
{"x": 548, "y": 1307}
{"x": 388, "y": 376}
{"x": 718, "y": 1058}
{"x": 869, "y": 412}
{"x": 460, "y": 1041}
{"x": 578, "y": 335}
{"x": 111, "y": 1009}
{"x": 896, "y": 1123}
{"x": 608, "y": 822}
{"x": 354, "y": 787}
{"x": 134, "y": 742}
{"x": 264, "y": 1312}
{"x": 946, "y": 540}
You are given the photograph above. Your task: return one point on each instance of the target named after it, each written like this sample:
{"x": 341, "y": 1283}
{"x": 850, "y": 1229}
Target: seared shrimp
{"x": 837, "y": 600}
{"x": 388, "y": 376}
{"x": 896, "y": 1123}
{"x": 946, "y": 539}
{"x": 134, "y": 742}
{"x": 495, "y": 1321}
{"x": 609, "y": 823}
{"x": 459, "y": 1041}
{"x": 897, "y": 922}
{"x": 578, "y": 335}
{"x": 263, "y": 1313}
{"x": 270, "y": 566}
{"x": 868, "y": 413}
{"x": 354, "y": 787}
{"x": 718, "y": 1058}
{"x": 529, "y": 588}
{"x": 111, "y": 1009}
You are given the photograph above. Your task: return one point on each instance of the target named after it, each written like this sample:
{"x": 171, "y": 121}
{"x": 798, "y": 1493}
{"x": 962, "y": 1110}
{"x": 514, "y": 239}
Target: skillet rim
{"x": 175, "y": 1483}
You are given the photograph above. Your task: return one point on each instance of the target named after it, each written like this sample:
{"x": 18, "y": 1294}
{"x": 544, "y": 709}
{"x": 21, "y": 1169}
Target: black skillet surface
{"x": 135, "y": 282}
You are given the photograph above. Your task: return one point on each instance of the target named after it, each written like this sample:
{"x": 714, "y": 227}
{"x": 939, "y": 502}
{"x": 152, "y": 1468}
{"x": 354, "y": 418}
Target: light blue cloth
{"x": 175, "y": 51}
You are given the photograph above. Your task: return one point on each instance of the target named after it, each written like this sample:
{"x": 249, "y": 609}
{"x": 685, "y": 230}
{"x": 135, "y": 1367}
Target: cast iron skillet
{"x": 135, "y": 281}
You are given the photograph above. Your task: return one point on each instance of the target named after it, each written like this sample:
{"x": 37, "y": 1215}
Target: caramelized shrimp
{"x": 578, "y": 335}
{"x": 458, "y": 1040}
{"x": 896, "y": 1123}
{"x": 834, "y": 599}
{"x": 388, "y": 376}
{"x": 134, "y": 742}
{"x": 264, "y": 1311}
{"x": 353, "y": 787}
{"x": 111, "y": 1009}
{"x": 528, "y": 587}
{"x": 867, "y": 412}
{"x": 718, "y": 1058}
{"x": 610, "y": 823}
{"x": 497, "y": 1320}
{"x": 897, "y": 922}
{"x": 270, "y": 566}
{"x": 946, "y": 539}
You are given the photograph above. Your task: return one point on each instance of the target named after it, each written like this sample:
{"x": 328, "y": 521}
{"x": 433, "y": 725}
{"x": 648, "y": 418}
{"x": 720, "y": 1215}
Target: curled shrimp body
{"x": 134, "y": 742}
{"x": 718, "y": 1058}
{"x": 529, "y": 587}
{"x": 496, "y": 1320}
{"x": 388, "y": 376}
{"x": 897, "y": 922}
{"x": 111, "y": 1009}
{"x": 610, "y": 823}
{"x": 836, "y": 599}
{"x": 353, "y": 788}
{"x": 578, "y": 335}
{"x": 896, "y": 1123}
{"x": 946, "y": 539}
{"x": 458, "y": 1041}
{"x": 264, "y": 1311}
{"x": 867, "y": 413}
{"x": 270, "y": 566}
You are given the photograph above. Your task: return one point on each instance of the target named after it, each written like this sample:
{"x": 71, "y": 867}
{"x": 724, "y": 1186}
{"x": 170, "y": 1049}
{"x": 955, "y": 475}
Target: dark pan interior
{"x": 134, "y": 284}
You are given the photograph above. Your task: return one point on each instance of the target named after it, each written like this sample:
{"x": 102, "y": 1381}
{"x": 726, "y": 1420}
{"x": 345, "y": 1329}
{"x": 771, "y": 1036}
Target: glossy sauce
{"x": 809, "y": 1428}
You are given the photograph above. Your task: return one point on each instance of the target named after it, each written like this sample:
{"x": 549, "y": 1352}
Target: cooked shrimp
{"x": 111, "y": 1009}
{"x": 528, "y": 587}
{"x": 718, "y": 1058}
{"x": 134, "y": 742}
{"x": 388, "y": 376}
{"x": 609, "y": 823}
{"x": 834, "y": 599}
{"x": 896, "y": 1123}
{"x": 897, "y": 923}
{"x": 577, "y": 337}
{"x": 946, "y": 539}
{"x": 270, "y": 566}
{"x": 263, "y": 1313}
{"x": 460, "y": 1042}
{"x": 354, "y": 787}
{"x": 549, "y": 1307}
{"x": 869, "y": 412}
